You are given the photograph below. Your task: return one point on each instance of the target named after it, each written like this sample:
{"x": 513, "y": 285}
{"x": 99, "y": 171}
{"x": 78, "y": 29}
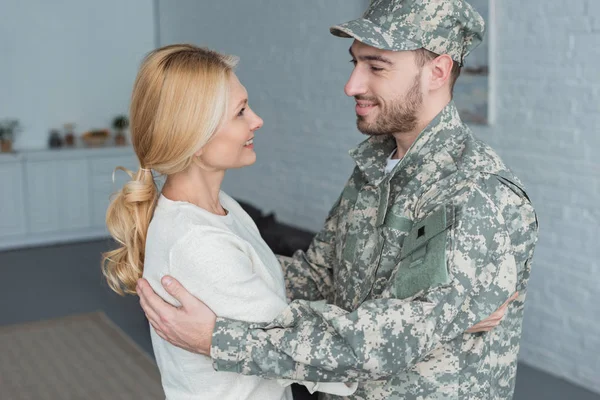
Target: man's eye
{"x": 241, "y": 113}
{"x": 353, "y": 61}
{"x": 376, "y": 69}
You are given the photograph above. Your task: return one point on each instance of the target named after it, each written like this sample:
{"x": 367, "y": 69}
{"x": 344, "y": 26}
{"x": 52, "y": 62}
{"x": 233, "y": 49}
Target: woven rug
{"x": 83, "y": 356}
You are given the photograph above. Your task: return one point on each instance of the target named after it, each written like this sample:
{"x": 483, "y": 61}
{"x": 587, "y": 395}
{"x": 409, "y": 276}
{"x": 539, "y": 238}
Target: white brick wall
{"x": 547, "y": 119}
{"x": 547, "y": 97}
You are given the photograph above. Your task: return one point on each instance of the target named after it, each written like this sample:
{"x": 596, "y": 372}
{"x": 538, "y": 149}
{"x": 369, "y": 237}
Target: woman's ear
{"x": 441, "y": 68}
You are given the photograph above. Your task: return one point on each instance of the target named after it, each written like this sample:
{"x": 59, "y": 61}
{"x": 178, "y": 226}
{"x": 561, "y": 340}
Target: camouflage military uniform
{"x": 407, "y": 261}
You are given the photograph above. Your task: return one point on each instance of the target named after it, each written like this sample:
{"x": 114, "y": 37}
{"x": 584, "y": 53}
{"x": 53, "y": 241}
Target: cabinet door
{"x": 58, "y": 195}
{"x": 12, "y": 209}
{"x": 43, "y": 199}
{"x": 74, "y": 195}
{"x": 102, "y": 185}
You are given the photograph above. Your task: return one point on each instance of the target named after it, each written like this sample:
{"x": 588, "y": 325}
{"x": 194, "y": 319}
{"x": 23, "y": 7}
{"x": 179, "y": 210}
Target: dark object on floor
{"x": 282, "y": 239}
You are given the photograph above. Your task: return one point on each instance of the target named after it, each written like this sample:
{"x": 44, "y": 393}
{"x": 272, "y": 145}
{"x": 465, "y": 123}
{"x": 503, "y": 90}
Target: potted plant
{"x": 120, "y": 124}
{"x": 8, "y": 130}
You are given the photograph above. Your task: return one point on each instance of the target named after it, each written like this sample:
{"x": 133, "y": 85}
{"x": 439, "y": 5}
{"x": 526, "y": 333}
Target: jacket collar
{"x": 371, "y": 155}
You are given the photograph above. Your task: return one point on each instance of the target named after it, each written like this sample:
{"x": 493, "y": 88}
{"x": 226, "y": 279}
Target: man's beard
{"x": 401, "y": 116}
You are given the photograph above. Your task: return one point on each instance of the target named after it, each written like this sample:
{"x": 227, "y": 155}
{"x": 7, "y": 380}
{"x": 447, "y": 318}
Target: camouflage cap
{"x": 450, "y": 27}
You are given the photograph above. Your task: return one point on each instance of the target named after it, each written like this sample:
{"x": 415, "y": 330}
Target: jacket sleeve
{"x": 321, "y": 342}
{"x": 309, "y": 275}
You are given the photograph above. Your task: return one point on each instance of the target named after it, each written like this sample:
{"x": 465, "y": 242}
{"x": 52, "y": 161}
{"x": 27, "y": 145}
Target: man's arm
{"x": 382, "y": 337}
{"x": 311, "y": 339}
{"x": 309, "y": 275}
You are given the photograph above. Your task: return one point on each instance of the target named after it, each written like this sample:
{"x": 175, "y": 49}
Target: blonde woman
{"x": 190, "y": 121}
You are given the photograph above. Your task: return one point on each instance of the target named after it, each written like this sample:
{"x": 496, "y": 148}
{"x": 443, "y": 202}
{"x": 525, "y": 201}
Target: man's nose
{"x": 356, "y": 84}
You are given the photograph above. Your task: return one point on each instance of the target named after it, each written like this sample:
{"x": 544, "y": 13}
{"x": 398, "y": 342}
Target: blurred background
{"x": 66, "y": 73}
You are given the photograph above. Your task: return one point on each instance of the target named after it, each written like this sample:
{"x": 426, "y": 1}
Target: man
{"x": 431, "y": 234}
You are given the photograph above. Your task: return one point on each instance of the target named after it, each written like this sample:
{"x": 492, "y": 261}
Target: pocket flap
{"x": 429, "y": 227}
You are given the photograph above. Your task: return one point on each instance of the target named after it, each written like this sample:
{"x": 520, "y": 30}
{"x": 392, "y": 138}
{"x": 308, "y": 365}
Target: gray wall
{"x": 547, "y": 119}
{"x": 69, "y": 61}
{"x": 546, "y": 102}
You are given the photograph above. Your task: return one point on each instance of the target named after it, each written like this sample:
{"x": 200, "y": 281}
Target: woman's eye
{"x": 353, "y": 61}
{"x": 241, "y": 113}
{"x": 376, "y": 69}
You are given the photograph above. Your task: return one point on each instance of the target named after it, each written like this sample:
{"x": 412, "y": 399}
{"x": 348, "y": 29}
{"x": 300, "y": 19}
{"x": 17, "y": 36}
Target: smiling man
{"x": 431, "y": 234}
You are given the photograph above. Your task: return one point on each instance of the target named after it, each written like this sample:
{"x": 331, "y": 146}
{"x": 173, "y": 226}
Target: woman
{"x": 190, "y": 121}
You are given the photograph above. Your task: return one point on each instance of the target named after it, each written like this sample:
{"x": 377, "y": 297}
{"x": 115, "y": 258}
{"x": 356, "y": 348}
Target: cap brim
{"x": 371, "y": 34}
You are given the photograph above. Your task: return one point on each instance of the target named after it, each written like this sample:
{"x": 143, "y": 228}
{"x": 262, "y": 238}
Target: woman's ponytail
{"x": 127, "y": 220}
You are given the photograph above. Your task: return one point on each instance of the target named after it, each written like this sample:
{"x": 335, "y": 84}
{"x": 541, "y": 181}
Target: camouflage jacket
{"x": 406, "y": 263}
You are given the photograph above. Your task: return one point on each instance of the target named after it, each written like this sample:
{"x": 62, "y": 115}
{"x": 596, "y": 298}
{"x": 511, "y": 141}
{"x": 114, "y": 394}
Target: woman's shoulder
{"x": 181, "y": 216}
{"x": 209, "y": 253}
{"x": 230, "y": 203}
{"x": 238, "y": 211}
{"x": 170, "y": 226}
{"x": 205, "y": 239}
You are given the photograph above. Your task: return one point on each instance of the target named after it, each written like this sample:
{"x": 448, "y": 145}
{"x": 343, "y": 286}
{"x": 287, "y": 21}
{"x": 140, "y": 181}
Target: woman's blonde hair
{"x": 179, "y": 99}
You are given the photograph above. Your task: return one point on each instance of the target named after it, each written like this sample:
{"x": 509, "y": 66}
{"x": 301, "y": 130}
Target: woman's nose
{"x": 257, "y": 122}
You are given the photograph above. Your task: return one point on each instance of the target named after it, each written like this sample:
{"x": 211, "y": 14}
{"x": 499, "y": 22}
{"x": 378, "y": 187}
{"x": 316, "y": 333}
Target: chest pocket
{"x": 423, "y": 255}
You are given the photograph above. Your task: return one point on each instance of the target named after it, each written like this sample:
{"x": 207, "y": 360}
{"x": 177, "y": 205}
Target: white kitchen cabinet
{"x": 75, "y": 195}
{"x": 42, "y": 196}
{"x": 12, "y": 209}
{"x": 56, "y": 196}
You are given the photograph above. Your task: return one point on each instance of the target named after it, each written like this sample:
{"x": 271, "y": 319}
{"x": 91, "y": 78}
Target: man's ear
{"x": 441, "y": 68}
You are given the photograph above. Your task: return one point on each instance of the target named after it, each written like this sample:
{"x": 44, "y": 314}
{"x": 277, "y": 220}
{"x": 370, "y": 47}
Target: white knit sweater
{"x": 223, "y": 261}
